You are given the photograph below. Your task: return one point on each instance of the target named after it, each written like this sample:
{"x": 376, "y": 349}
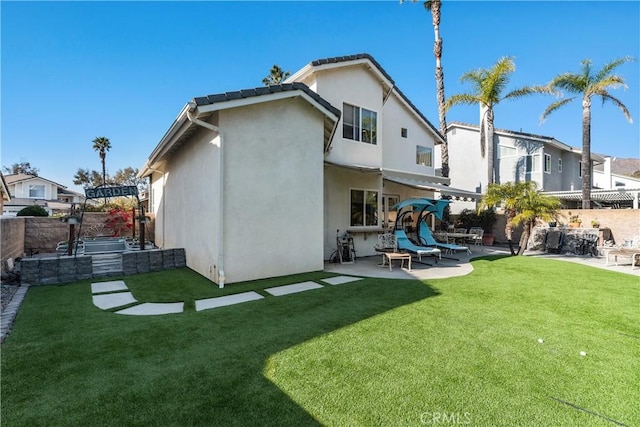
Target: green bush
{"x": 486, "y": 219}
{"x": 34, "y": 210}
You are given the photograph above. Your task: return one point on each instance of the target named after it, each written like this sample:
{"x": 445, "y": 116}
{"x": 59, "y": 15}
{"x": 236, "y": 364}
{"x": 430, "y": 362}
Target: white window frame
{"x": 360, "y": 130}
{"x": 559, "y": 165}
{"x": 534, "y": 162}
{"x": 508, "y": 148}
{"x": 428, "y": 156}
{"x": 365, "y": 192}
{"x": 547, "y": 163}
{"x": 580, "y": 168}
{"x": 33, "y": 187}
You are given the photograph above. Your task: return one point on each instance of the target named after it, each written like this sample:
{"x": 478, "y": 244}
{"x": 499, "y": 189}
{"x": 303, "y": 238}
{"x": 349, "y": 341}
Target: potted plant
{"x": 595, "y": 223}
{"x": 487, "y": 219}
{"x": 574, "y": 221}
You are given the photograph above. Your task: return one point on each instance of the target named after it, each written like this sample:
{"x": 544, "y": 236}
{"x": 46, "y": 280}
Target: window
{"x": 388, "y": 216}
{"x": 559, "y": 165}
{"x": 403, "y": 132}
{"x": 36, "y": 191}
{"x": 364, "y": 208}
{"x": 505, "y": 151}
{"x": 424, "y": 156}
{"x": 619, "y": 184}
{"x": 359, "y": 124}
{"x": 547, "y": 163}
{"x": 533, "y": 163}
{"x": 580, "y": 169}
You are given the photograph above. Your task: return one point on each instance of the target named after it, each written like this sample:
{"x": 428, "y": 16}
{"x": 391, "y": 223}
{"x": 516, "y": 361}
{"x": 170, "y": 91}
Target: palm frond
{"x": 553, "y": 107}
{"x": 461, "y": 99}
{"x": 607, "y": 97}
{"x": 529, "y": 90}
{"x": 572, "y": 83}
{"x": 608, "y": 68}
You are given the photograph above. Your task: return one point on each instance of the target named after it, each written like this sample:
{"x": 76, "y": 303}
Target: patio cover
{"x": 611, "y": 196}
{"x": 424, "y": 182}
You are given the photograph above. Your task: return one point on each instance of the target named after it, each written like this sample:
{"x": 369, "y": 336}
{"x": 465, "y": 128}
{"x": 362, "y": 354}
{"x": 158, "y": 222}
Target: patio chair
{"x": 427, "y": 239}
{"x": 387, "y": 242}
{"x": 405, "y": 244}
{"x": 477, "y": 239}
{"x": 553, "y": 241}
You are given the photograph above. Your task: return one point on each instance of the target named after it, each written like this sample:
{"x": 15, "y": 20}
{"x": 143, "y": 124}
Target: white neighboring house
{"x": 28, "y": 190}
{"x": 255, "y": 183}
{"x": 553, "y": 165}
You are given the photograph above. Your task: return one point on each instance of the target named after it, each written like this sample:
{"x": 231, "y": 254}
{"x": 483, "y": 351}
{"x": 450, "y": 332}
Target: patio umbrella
{"x": 435, "y": 207}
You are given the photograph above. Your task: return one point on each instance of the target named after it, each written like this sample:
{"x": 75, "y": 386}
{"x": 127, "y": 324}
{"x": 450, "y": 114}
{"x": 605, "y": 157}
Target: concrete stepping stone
{"x": 100, "y": 287}
{"x": 339, "y": 280}
{"x": 153, "y": 309}
{"x": 205, "y": 304}
{"x": 107, "y": 301}
{"x": 292, "y": 289}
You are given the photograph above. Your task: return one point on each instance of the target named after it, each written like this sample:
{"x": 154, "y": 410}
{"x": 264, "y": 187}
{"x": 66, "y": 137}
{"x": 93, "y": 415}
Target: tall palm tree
{"x": 522, "y": 204}
{"x": 434, "y": 7}
{"x": 102, "y": 144}
{"x": 488, "y": 86}
{"x": 276, "y": 76}
{"x": 588, "y": 84}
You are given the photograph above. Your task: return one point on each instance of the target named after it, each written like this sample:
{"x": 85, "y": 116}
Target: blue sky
{"x": 72, "y": 71}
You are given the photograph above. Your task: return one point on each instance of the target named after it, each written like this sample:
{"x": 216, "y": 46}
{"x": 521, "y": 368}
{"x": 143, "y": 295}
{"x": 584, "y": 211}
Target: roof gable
{"x": 376, "y": 68}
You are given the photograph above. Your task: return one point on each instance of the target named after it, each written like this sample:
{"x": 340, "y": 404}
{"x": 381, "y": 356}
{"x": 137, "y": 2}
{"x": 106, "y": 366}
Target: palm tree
{"x": 276, "y": 76}
{"x": 522, "y": 204}
{"x": 434, "y": 7}
{"x": 588, "y": 84}
{"x": 488, "y": 86}
{"x": 102, "y": 144}
{"x": 508, "y": 195}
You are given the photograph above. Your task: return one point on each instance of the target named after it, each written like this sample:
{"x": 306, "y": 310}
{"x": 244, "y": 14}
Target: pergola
{"x": 618, "y": 198}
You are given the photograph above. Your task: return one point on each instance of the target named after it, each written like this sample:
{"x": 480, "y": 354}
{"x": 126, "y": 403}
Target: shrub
{"x": 119, "y": 222}
{"x": 33, "y": 210}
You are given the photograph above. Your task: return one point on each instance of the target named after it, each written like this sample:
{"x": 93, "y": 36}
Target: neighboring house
{"x": 6, "y": 194}
{"x": 333, "y": 148}
{"x": 610, "y": 190}
{"x": 553, "y": 165}
{"x": 30, "y": 190}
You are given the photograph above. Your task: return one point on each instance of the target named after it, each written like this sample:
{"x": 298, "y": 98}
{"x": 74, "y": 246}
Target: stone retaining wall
{"x": 53, "y": 271}
{"x": 12, "y": 232}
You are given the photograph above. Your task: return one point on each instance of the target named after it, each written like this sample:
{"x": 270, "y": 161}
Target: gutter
{"x": 194, "y": 119}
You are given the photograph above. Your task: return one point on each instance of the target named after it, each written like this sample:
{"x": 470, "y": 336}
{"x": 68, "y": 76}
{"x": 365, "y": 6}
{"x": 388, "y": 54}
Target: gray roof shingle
{"x": 265, "y": 90}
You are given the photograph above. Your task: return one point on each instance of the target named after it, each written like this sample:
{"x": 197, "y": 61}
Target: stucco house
{"x": 27, "y": 190}
{"x": 5, "y": 195}
{"x": 519, "y": 156}
{"x": 255, "y": 183}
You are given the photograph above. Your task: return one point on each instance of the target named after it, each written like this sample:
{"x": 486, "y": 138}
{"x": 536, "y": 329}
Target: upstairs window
{"x": 36, "y": 191}
{"x": 559, "y": 165}
{"x": 424, "y": 156}
{"x": 506, "y": 151}
{"x": 580, "y": 169}
{"x": 359, "y": 124}
{"x": 533, "y": 163}
{"x": 547, "y": 163}
{"x": 403, "y": 132}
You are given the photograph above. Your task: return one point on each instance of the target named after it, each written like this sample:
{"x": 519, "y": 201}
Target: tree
{"x": 87, "y": 178}
{"x": 276, "y": 76}
{"x": 523, "y": 204}
{"x": 129, "y": 176}
{"x": 588, "y": 84}
{"x": 24, "y": 168}
{"x": 434, "y": 7}
{"x": 508, "y": 195}
{"x": 33, "y": 210}
{"x": 488, "y": 86}
{"x": 102, "y": 144}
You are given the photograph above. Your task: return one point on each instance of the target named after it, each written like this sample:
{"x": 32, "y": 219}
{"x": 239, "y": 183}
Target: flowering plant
{"x": 118, "y": 222}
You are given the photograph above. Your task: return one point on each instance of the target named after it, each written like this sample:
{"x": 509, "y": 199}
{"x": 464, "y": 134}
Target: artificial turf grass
{"x": 367, "y": 353}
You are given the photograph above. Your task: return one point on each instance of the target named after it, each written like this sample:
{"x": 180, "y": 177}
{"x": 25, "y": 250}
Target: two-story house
{"x": 27, "y": 190}
{"x": 255, "y": 183}
{"x": 553, "y": 165}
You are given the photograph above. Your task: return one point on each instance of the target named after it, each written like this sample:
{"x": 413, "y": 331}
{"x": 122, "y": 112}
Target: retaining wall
{"x": 63, "y": 269}
{"x": 12, "y": 241}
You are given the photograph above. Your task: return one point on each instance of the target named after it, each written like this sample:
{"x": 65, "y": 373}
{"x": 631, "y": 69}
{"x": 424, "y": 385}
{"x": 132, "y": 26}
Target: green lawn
{"x": 376, "y": 352}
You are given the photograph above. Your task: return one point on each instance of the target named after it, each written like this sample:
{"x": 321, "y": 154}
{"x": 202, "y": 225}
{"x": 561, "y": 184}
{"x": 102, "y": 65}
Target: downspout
{"x": 164, "y": 177}
{"x": 220, "y": 144}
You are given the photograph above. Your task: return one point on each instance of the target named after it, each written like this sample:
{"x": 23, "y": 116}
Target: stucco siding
{"x": 399, "y": 152}
{"x": 273, "y": 190}
{"x": 191, "y": 203}
{"x": 355, "y": 86}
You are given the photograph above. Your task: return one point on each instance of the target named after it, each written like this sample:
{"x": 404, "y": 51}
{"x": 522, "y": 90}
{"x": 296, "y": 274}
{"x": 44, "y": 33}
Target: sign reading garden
{"x": 100, "y": 192}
